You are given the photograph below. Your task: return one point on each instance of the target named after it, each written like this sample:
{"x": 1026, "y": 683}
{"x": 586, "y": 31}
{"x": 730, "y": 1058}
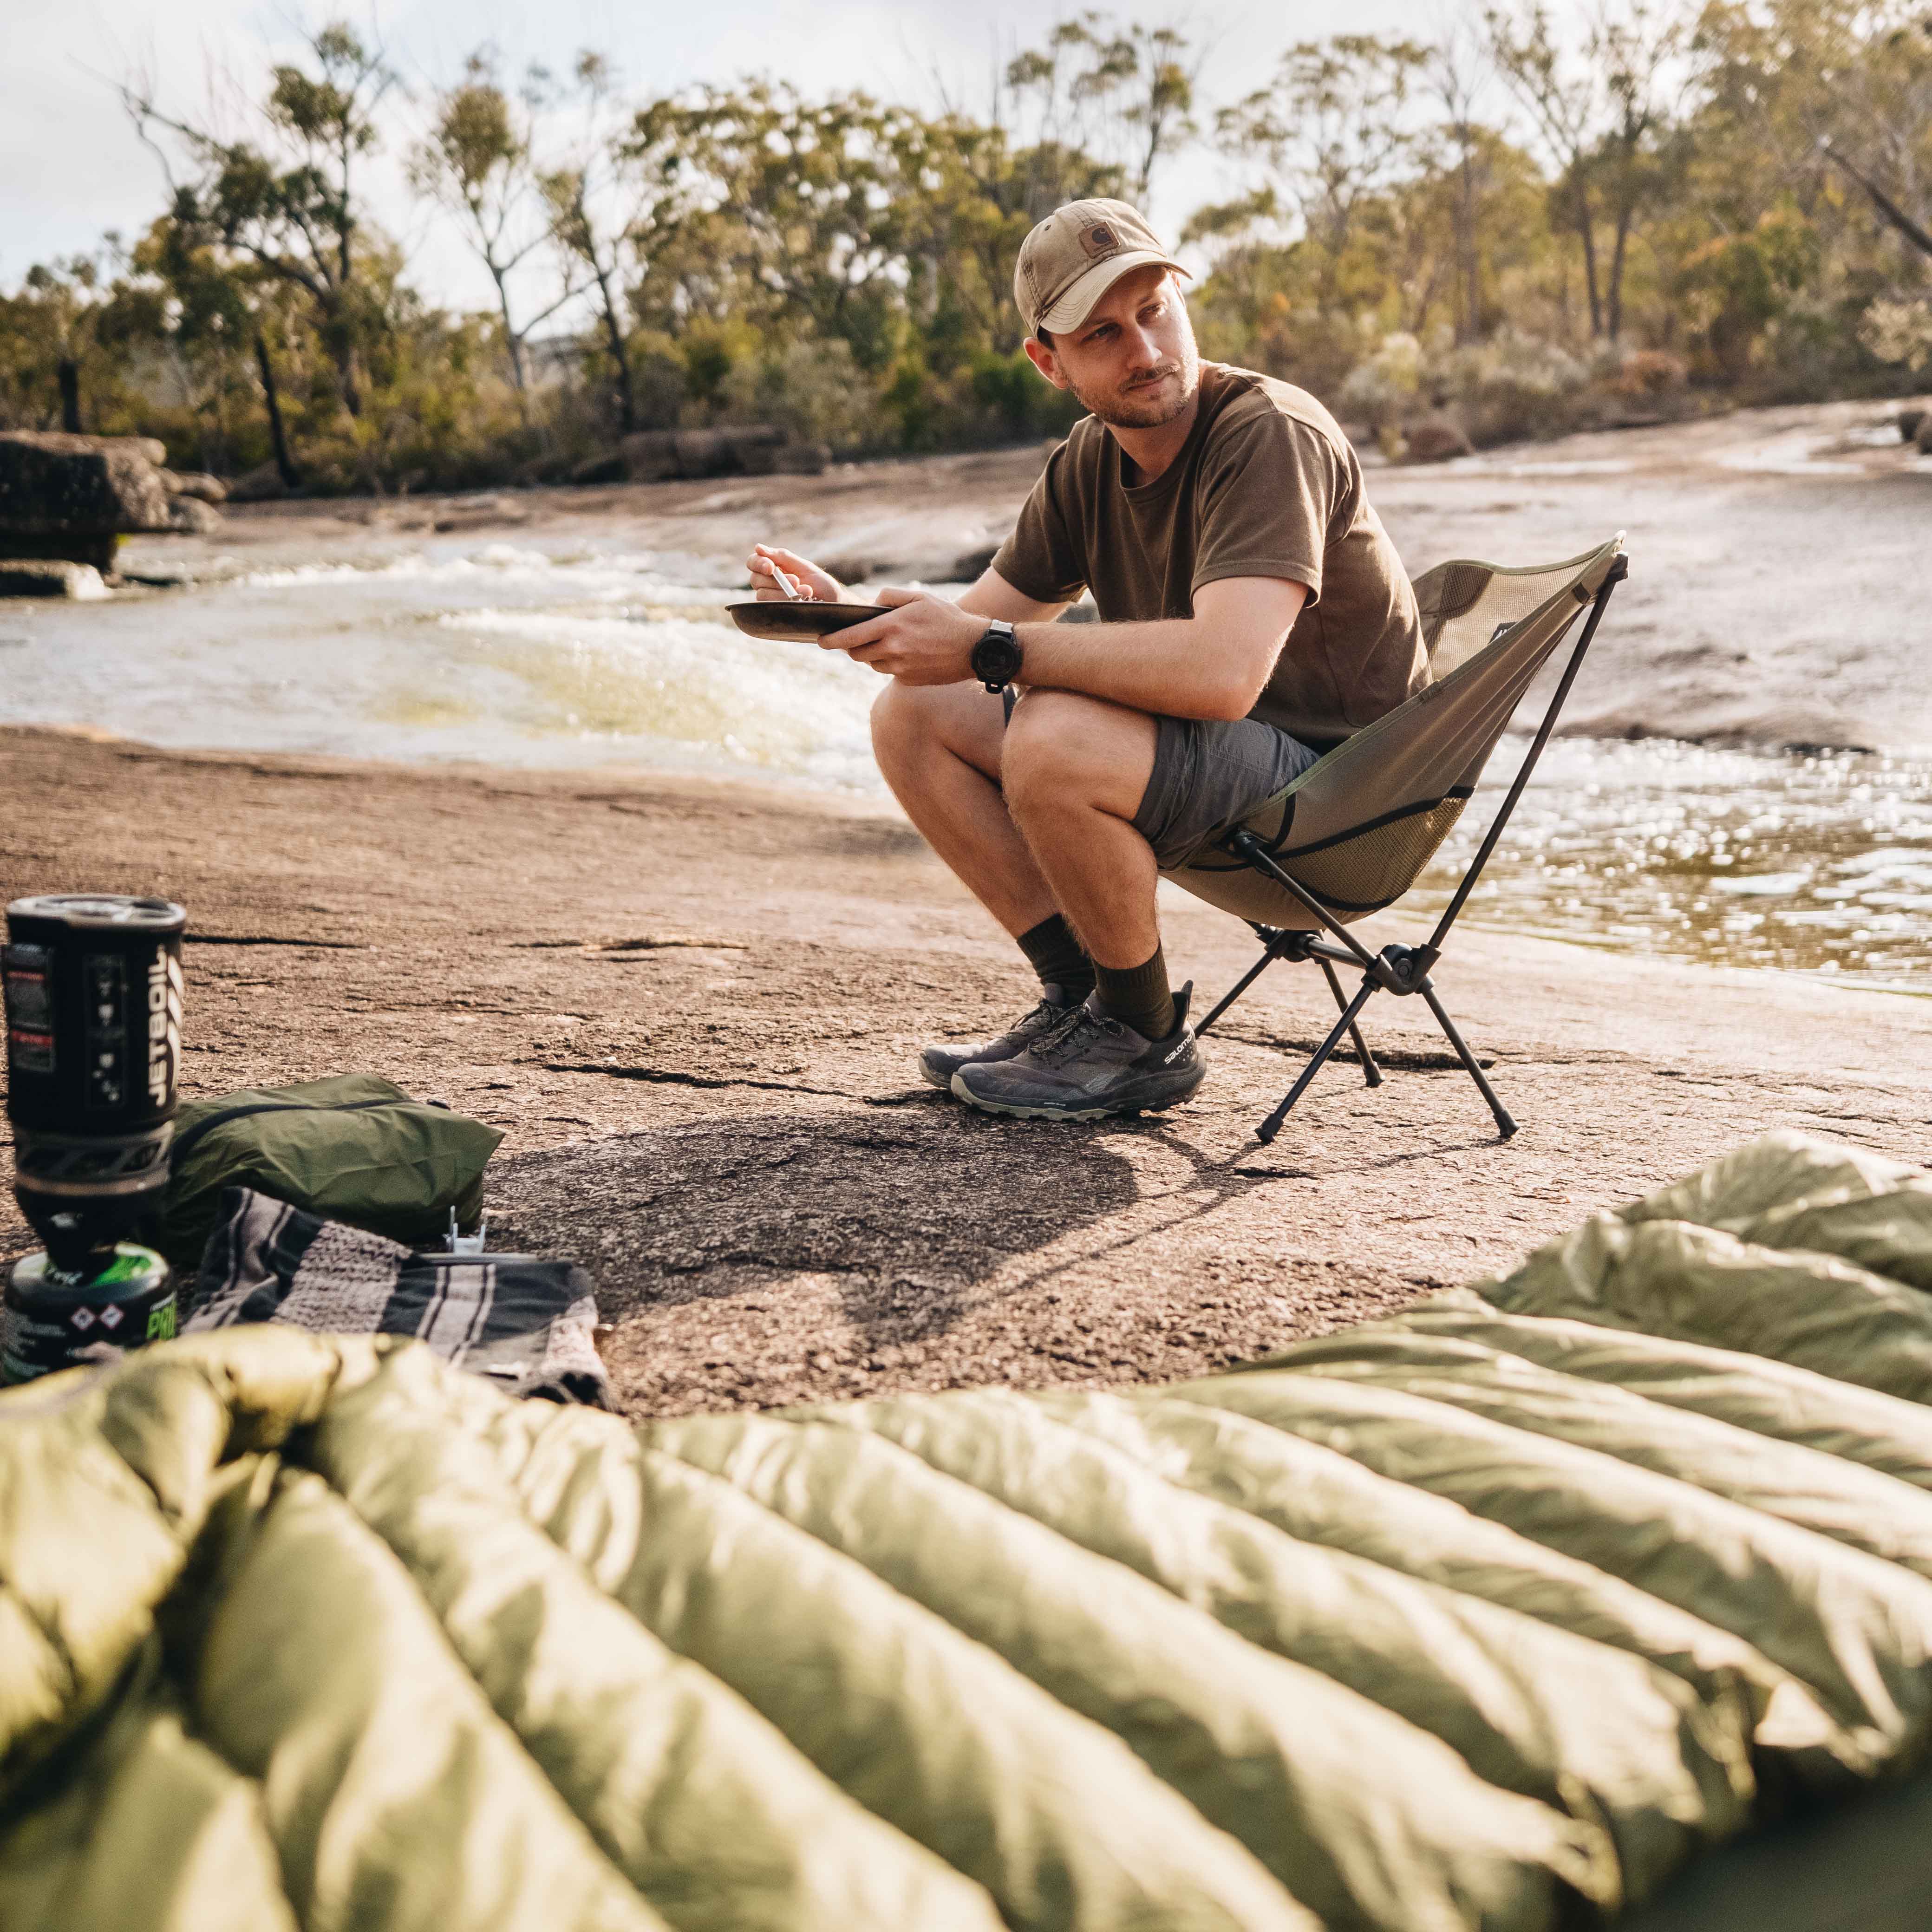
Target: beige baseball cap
{"x": 1073, "y": 257}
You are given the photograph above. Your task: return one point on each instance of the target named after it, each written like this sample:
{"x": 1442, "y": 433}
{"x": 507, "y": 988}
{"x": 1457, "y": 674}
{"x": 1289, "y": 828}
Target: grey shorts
{"x": 1207, "y": 771}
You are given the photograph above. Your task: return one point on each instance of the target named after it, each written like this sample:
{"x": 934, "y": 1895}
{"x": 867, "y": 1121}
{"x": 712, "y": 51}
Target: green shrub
{"x": 813, "y": 390}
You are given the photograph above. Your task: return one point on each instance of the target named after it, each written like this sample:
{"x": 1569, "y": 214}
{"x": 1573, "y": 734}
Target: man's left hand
{"x": 926, "y": 640}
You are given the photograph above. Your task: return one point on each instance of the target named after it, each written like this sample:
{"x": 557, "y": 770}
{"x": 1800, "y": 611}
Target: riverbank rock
{"x": 196, "y": 483}
{"x": 664, "y": 455}
{"x": 192, "y": 516}
{"x": 39, "y": 577}
{"x": 804, "y": 459}
{"x": 71, "y": 498}
{"x": 477, "y": 513}
{"x": 1910, "y": 422}
{"x": 262, "y": 484}
{"x": 1434, "y": 439}
{"x": 609, "y": 467}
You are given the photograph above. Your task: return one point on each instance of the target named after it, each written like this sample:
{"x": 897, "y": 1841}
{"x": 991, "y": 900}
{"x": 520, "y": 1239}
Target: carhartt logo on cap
{"x": 1100, "y": 240}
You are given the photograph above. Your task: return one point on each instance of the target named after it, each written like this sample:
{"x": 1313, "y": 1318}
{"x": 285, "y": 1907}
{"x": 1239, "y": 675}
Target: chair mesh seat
{"x": 1356, "y": 828}
{"x": 1365, "y": 871}
{"x": 1351, "y": 835}
{"x": 1357, "y": 873}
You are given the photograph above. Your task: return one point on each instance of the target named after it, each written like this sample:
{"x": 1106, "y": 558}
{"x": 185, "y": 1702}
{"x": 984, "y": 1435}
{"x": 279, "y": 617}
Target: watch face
{"x": 995, "y": 658}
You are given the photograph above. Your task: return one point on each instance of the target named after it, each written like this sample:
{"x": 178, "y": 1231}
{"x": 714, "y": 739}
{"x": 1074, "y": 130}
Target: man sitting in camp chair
{"x": 1253, "y": 613}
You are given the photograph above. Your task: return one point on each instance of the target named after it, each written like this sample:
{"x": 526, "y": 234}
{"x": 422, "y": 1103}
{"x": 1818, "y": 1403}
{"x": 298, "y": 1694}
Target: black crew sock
{"x": 1056, "y": 956}
{"x": 1138, "y": 996}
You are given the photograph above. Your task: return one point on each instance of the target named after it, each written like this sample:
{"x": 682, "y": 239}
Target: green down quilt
{"x": 1500, "y": 1614}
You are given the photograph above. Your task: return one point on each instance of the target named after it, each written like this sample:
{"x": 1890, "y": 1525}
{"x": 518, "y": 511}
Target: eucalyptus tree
{"x": 756, "y": 203}
{"x": 1337, "y": 129}
{"x": 479, "y": 161}
{"x": 1099, "y": 89}
{"x": 1602, "y": 108}
{"x": 288, "y": 198}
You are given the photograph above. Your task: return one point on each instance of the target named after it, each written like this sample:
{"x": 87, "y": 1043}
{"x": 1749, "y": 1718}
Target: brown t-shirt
{"x": 1266, "y": 485}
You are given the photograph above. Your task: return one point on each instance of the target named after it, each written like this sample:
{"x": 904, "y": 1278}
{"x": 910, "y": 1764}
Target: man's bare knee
{"x": 1063, "y": 749}
{"x": 898, "y": 722}
{"x": 911, "y": 723}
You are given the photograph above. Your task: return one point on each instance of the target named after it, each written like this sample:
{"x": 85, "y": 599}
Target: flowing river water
{"x": 1745, "y": 779}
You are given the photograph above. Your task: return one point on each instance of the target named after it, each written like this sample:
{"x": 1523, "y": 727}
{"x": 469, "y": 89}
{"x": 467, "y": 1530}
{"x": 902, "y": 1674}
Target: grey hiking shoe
{"x": 1087, "y": 1067}
{"x": 938, "y": 1064}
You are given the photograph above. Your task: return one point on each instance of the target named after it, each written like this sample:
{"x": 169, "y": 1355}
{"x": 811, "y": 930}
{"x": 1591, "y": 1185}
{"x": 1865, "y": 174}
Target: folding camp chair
{"x": 1349, "y": 837}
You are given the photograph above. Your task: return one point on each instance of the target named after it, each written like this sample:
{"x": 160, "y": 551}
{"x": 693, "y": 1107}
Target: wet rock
{"x": 1910, "y": 422}
{"x": 70, "y": 497}
{"x": 974, "y": 565}
{"x": 1921, "y": 440}
{"x": 477, "y": 513}
{"x": 35, "y": 577}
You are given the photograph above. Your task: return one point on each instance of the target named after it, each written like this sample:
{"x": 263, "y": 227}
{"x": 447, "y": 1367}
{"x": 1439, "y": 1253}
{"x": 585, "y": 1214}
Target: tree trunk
{"x": 1624, "y": 217}
{"x": 1586, "y": 233}
{"x": 513, "y": 343}
{"x": 338, "y": 342}
{"x": 68, "y": 373}
{"x": 1895, "y": 216}
{"x": 627, "y": 406}
{"x": 352, "y": 392}
{"x": 1468, "y": 323}
{"x": 284, "y": 468}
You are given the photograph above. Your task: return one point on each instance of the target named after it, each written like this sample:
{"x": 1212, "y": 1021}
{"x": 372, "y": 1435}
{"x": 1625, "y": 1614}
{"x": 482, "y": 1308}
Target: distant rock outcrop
{"x": 1435, "y": 439}
{"x": 70, "y": 499}
{"x": 748, "y": 449}
{"x": 196, "y": 483}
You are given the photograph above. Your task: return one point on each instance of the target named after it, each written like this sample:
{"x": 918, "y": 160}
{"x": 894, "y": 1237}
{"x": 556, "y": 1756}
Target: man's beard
{"x": 1141, "y": 406}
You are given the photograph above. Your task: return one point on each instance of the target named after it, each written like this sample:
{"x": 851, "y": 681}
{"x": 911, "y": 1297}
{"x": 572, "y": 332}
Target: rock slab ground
{"x": 694, "y": 1007}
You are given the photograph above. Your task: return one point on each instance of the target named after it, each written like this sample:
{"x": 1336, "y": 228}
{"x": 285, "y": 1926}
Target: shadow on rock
{"x": 907, "y": 1210}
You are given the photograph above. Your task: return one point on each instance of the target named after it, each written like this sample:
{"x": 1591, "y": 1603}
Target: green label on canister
{"x": 52, "y": 1321}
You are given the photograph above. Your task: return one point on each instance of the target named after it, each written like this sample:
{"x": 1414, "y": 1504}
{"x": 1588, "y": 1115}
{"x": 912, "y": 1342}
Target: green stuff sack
{"x": 356, "y": 1148}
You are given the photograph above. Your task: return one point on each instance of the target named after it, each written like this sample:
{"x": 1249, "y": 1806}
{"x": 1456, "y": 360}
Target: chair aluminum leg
{"x": 1371, "y": 1074}
{"x": 1241, "y": 985}
{"x": 1270, "y": 1127}
{"x": 1505, "y": 1126}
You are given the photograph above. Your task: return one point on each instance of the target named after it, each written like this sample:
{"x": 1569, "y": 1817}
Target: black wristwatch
{"x": 996, "y": 657}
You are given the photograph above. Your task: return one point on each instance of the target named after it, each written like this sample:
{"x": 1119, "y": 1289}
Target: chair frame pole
{"x": 1270, "y": 1127}
{"x": 1279, "y": 945}
{"x": 1400, "y": 970}
{"x": 1371, "y": 1074}
{"x": 1619, "y": 569}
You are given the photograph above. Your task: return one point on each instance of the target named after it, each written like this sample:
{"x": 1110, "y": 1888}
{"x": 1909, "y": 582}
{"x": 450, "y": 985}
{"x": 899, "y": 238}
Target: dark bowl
{"x": 800, "y": 623}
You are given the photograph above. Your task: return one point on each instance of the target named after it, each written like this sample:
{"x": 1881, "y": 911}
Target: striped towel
{"x": 526, "y": 1323}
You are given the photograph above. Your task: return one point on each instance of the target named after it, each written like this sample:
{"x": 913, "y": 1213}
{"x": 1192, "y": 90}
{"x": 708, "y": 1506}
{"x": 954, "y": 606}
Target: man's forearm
{"x": 1167, "y": 666}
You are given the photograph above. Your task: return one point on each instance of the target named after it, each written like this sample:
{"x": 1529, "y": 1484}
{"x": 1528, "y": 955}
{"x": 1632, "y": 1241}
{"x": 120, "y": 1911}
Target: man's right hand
{"x": 814, "y": 582}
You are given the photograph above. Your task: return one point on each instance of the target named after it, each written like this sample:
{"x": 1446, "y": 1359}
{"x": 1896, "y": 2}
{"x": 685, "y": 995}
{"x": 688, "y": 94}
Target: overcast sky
{"x": 71, "y": 167}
